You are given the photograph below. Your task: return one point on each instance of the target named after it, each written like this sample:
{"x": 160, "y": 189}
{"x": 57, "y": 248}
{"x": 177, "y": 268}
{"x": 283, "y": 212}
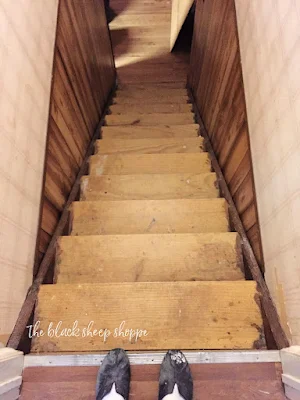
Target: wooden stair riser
{"x": 152, "y": 92}
{"x": 123, "y": 109}
{"x": 149, "y": 187}
{"x": 149, "y": 258}
{"x": 135, "y": 119}
{"x": 152, "y": 132}
{"x": 152, "y": 100}
{"x": 196, "y": 315}
{"x": 149, "y": 146}
{"x": 149, "y": 216}
{"x": 137, "y": 164}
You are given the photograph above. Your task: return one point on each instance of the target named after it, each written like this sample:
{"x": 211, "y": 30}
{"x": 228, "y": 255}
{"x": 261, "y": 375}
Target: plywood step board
{"x": 149, "y": 146}
{"x": 150, "y": 132}
{"x": 196, "y": 315}
{"x": 140, "y": 108}
{"x": 151, "y": 86}
{"x": 149, "y": 187}
{"x": 149, "y": 258}
{"x": 149, "y": 216}
{"x": 151, "y": 92}
{"x": 128, "y": 164}
{"x": 152, "y": 100}
{"x": 137, "y": 119}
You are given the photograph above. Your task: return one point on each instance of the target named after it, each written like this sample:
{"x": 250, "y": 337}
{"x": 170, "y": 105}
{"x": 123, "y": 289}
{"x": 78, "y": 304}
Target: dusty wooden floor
{"x": 140, "y": 35}
{"x": 211, "y": 382}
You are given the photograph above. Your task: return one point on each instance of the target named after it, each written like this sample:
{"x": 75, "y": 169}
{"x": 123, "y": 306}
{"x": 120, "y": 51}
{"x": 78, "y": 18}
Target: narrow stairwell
{"x": 150, "y": 263}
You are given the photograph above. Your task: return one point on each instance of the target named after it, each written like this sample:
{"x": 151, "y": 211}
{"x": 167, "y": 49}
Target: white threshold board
{"x": 193, "y": 357}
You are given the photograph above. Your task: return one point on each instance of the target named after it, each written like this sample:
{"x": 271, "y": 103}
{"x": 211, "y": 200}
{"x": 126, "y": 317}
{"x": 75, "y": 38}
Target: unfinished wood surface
{"x": 150, "y": 91}
{"x": 147, "y": 132}
{"x": 151, "y": 86}
{"x": 150, "y": 108}
{"x": 146, "y": 258}
{"x": 256, "y": 381}
{"x": 232, "y": 320}
{"x": 150, "y": 146}
{"x": 219, "y": 93}
{"x": 149, "y": 216}
{"x": 151, "y": 187}
{"x": 130, "y": 164}
{"x": 152, "y": 100}
{"x": 83, "y": 77}
{"x": 136, "y": 119}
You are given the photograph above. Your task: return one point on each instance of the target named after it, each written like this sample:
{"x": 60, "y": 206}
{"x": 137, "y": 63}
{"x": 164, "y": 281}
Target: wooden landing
{"x": 259, "y": 381}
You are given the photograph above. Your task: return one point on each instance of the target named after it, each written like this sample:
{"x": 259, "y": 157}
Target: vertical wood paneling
{"x": 83, "y": 77}
{"x": 217, "y": 84}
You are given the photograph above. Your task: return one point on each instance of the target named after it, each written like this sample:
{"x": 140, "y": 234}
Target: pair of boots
{"x": 175, "y": 380}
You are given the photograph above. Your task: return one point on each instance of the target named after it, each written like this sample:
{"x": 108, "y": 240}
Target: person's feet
{"x": 175, "y": 377}
{"x": 114, "y": 376}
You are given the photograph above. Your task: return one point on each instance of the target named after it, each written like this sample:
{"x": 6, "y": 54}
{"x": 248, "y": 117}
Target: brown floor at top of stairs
{"x": 258, "y": 381}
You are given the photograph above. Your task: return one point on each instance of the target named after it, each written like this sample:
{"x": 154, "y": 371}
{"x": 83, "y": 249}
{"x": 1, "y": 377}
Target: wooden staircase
{"x": 150, "y": 253}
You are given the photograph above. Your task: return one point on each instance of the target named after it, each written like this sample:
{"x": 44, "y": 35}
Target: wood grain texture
{"x": 150, "y": 108}
{"x": 183, "y": 99}
{"x": 149, "y": 146}
{"x": 136, "y": 119}
{"x": 146, "y": 258}
{"x": 149, "y": 216}
{"x": 152, "y": 132}
{"x": 219, "y": 381}
{"x": 150, "y": 186}
{"x": 232, "y": 320}
{"x": 82, "y": 80}
{"x": 150, "y": 91}
{"x": 127, "y": 164}
{"x": 216, "y": 82}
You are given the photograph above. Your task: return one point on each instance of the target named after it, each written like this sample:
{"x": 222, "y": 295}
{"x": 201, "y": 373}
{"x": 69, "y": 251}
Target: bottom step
{"x": 184, "y": 315}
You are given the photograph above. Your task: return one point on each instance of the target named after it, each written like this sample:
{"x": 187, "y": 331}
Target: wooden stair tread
{"x": 120, "y": 109}
{"x": 146, "y": 86}
{"x": 150, "y": 119}
{"x": 149, "y": 186}
{"x": 128, "y": 164}
{"x": 196, "y": 315}
{"x": 149, "y": 132}
{"x": 150, "y": 146}
{"x": 146, "y": 258}
{"x": 150, "y": 91}
{"x": 149, "y": 216}
{"x": 152, "y": 100}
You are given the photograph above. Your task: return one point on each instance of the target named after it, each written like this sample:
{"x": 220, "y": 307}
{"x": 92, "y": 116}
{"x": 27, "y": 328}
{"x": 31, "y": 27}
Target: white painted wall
{"x": 27, "y": 35}
{"x": 269, "y": 32}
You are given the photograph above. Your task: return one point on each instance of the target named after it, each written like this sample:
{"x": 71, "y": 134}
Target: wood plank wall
{"x": 83, "y": 77}
{"x": 217, "y": 84}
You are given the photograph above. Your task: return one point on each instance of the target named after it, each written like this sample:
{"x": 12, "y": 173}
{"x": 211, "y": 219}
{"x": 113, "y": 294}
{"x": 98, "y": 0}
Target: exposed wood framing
{"x": 267, "y": 302}
{"x": 32, "y": 294}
